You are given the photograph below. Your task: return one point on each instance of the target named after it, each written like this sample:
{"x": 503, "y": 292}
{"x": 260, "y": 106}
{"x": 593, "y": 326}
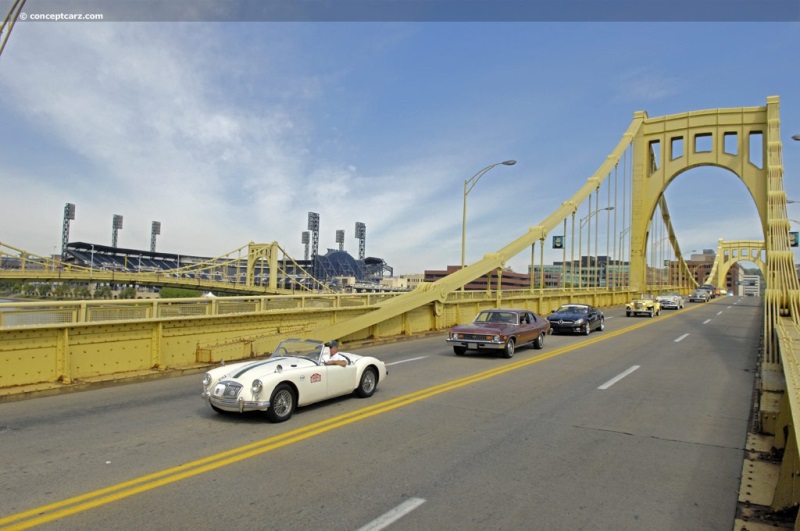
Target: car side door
{"x": 538, "y": 324}
{"x": 340, "y": 380}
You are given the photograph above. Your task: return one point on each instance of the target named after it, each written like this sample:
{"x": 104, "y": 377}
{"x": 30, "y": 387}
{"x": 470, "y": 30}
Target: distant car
{"x": 671, "y": 301}
{"x": 711, "y": 289}
{"x": 294, "y": 375}
{"x": 645, "y": 304}
{"x": 500, "y": 330}
{"x": 699, "y": 295}
{"x": 580, "y": 318}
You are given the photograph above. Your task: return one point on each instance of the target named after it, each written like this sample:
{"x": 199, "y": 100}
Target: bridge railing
{"x": 43, "y": 313}
{"x": 54, "y": 343}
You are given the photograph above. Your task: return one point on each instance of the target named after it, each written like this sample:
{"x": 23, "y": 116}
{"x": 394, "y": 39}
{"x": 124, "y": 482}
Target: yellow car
{"x": 644, "y": 304}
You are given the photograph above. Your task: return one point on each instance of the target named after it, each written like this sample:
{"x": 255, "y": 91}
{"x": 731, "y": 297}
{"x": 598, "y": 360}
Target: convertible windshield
{"x": 573, "y": 308}
{"x": 497, "y": 317}
{"x": 303, "y": 349}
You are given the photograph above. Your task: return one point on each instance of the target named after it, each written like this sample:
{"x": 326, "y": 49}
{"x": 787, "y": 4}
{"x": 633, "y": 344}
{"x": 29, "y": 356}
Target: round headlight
{"x": 206, "y": 380}
{"x": 579, "y": 321}
{"x": 496, "y": 339}
{"x": 256, "y": 387}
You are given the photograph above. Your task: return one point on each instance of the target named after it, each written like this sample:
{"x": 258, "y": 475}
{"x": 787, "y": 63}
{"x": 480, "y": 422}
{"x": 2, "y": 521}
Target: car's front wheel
{"x": 539, "y": 342}
{"x": 508, "y": 351}
{"x": 587, "y": 329}
{"x": 281, "y": 403}
{"x": 602, "y": 324}
{"x": 627, "y": 314}
{"x": 460, "y": 351}
{"x": 369, "y": 381}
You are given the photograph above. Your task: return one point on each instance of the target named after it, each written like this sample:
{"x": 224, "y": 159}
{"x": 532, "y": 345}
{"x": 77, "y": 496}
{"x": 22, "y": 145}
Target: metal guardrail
{"x": 48, "y": 313}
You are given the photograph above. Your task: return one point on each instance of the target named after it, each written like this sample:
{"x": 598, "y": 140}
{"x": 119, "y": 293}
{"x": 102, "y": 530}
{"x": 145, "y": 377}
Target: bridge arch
{"x": 668, "y": 146}
{"x": 733, "y": 252}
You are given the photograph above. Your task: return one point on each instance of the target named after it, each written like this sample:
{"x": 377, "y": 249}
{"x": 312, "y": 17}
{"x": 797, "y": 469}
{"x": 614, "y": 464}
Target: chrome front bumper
{"x": 235, "y": 404}
{"x": 473, "y": 345}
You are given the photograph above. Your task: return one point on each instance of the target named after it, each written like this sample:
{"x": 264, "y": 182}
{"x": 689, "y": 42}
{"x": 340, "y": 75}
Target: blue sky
{"x": 231, "y": 132}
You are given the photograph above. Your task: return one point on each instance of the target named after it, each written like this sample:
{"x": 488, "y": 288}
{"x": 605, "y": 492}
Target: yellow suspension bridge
{"x": 620, "y": 210}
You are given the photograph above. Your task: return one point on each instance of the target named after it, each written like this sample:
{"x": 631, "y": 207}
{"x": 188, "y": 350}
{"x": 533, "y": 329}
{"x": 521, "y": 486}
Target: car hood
{"x": 668, "y": 298}
{"x": 566, "y": 316}
{"x": 483, "y": 328}
{"x": 256, "y": 369}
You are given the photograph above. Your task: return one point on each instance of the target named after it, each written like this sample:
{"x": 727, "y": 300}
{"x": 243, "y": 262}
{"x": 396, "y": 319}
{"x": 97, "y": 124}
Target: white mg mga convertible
{"x": 294, "y": 375}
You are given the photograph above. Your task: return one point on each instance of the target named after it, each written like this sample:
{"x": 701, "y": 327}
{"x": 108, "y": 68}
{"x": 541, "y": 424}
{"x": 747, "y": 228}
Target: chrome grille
{"x": 227, "y": 389}
{"x": 475, "y": 337}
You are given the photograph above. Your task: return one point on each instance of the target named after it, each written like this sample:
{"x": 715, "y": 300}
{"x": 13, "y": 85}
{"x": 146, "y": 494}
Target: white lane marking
{"x": 617, "y": 378}
{"x": 729, "y": 307}
{"x": 707, "y": 321}
{"x": 684, "y": 336}
{"x": 404, "y": 361}
{"x": 392, "y": 516}
{"x": 719, "y": 313}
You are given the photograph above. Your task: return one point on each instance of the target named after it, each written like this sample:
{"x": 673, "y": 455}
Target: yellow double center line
{"x": 97, "y": 498}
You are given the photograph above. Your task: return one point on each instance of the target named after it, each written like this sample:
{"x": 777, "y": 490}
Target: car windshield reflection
{"x": 497, "y": 317}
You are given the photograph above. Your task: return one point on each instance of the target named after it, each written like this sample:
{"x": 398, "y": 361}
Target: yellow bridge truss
{"x": 264, "y": 258}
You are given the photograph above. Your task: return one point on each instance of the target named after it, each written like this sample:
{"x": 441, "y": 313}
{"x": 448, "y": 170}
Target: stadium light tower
{"x": 340, "y": 239}
{"x": 116, "y": 225}
{"x": 155, "y": 230}
{"x": 304, "y": 240}
{"x": 69, "y": 214}
{"x": 361, "y": 235}
{"x": 313, "y": 226}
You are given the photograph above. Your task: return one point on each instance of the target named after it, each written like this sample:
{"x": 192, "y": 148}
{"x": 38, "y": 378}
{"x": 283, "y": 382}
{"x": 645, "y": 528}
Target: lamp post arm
{"x": 470, "y": 183}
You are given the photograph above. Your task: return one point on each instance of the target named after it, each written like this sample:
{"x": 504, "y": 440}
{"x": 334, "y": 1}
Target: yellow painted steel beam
{"x": 673, "y": 239}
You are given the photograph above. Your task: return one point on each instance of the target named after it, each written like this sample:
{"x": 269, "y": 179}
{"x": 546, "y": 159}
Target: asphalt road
{"x": 641, "y": 426}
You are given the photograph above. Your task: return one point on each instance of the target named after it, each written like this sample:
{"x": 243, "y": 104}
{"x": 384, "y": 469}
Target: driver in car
{"x": 331, "y": 356}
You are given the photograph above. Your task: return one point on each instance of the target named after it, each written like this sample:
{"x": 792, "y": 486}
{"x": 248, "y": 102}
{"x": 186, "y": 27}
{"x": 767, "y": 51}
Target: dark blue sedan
{"x": 576, "y": 318}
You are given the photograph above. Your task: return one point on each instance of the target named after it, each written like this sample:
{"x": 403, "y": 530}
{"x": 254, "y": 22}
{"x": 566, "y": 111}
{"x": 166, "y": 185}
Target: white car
{"x": 292, "y": 376}
{"x": 671, "y": 301}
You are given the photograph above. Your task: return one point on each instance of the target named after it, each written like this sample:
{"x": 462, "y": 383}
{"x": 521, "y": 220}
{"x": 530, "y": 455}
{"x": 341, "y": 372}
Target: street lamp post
{"x": 583, "y": 222}
{"x": 624, "y": 232}
{"x": 796, "y": 137}
{"x": 469, "y": 184}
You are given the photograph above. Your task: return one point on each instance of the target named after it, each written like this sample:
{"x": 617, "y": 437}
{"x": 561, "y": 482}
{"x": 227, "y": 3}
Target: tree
{"x": 28, "y": 289}
{"x": 82, "y": 292}
{"x": 102, "y": 292}
{"x": 44, "y": 289}
{"x": 63, "y": 291}
{"x": 127, "y": 293}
